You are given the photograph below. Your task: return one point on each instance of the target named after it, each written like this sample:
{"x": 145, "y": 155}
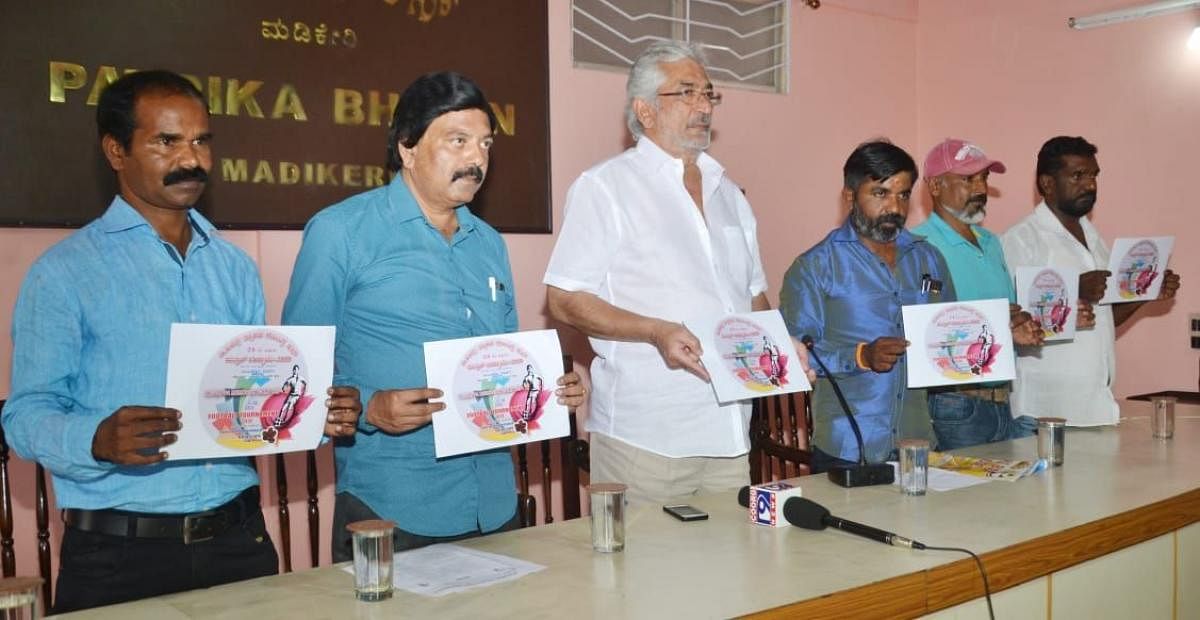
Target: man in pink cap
{"x": 956, "y": 173}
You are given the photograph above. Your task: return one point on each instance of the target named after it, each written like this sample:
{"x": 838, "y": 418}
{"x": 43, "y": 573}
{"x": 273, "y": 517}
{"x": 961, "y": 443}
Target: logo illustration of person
{"x": 1059, "y": 314}
{"x": 293, "y": 388}
{"x": 1145, "y": 278}
{"x": 532, "y": 384}
{"x": 979, "y": 354}
{"x": 771, "y": 351}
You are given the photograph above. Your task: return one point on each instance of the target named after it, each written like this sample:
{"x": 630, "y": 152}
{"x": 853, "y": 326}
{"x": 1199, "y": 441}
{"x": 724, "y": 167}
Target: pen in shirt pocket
{"x": 494, "y": 285}
{"x": 929, "y": 285}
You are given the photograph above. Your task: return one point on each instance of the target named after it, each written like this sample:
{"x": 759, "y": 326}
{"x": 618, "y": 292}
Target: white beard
{"x": 961, "y": 216}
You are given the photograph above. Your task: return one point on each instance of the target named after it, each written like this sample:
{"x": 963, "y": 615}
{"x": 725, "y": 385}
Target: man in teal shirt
{"x": 393, "y": 268}
{"x": 956, "y": 173}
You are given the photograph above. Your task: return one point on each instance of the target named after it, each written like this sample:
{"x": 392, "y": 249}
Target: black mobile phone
{"x": 684, "y": 512}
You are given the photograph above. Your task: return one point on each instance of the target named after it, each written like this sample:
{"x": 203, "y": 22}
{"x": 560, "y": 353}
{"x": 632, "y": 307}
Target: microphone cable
{"x": 987, "y": 590}
{"x": 805, "y": 513}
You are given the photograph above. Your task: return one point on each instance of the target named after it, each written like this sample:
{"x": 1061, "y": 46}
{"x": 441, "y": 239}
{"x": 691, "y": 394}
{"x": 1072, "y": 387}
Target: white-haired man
{"x": 653, "y": 238}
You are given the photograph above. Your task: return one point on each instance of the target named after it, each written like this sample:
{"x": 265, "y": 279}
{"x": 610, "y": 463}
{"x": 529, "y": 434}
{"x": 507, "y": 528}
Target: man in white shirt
{"x": 1070, "y": 379}
{"x": 654, "y": 238}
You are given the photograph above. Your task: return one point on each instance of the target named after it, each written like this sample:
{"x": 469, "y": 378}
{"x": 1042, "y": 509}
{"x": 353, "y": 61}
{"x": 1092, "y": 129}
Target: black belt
{"x": 190, "y": 528}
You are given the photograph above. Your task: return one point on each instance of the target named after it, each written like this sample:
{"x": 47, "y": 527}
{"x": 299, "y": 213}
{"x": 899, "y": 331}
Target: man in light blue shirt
{"x": 846, "y": 293}
{"x": 956, "y": 173}
{"x": 90, "y": 338}
{"x": 396, "y": 267}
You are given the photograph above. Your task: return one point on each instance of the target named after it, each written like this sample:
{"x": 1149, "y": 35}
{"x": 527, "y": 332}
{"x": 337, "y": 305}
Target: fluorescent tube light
{"x": 1153, "y": 9}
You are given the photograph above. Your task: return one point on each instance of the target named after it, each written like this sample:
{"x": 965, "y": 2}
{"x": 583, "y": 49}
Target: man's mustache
{"x": 185, "y": 174}
{"x": 1086, "y": 197}
{"x": 894, "y": 219}
{"x": 978, "y": 199}
{"x": 474, "y": 172}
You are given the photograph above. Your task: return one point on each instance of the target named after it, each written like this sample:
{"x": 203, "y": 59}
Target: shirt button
{"x": 468, "y": 313}
{"x": 208, "y": 466}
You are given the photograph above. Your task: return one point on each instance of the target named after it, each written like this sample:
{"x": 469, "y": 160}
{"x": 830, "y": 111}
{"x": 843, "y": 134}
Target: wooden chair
{"x": 573, "y": 455}
{"x": 8, "y": 556}
{"x": 780, "y": 437}
{"x": 314, "y": 512}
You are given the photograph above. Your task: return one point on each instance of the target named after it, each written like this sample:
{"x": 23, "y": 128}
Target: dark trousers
{"x": 347, "y": 509}
{"x": 99, "y": 569}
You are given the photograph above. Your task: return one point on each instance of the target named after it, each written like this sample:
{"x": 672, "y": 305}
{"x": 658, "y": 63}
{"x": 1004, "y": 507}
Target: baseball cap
{"x": 959, "y": 157}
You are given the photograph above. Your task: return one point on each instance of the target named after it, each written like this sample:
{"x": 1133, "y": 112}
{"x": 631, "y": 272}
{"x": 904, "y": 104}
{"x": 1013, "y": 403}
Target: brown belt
{"x": 996, "y": 394}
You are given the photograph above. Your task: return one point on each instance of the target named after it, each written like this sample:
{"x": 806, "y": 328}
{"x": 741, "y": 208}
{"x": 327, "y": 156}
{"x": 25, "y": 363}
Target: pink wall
{"x": 1009, "y": 75}
{"x": 860, "y": 69}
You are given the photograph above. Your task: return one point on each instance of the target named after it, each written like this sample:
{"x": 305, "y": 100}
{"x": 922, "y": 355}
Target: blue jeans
{"x": 960, "y": 421}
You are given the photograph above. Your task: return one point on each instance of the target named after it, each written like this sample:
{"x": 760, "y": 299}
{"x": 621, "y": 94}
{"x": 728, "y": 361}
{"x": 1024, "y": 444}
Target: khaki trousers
{"x": 656, "y": 479}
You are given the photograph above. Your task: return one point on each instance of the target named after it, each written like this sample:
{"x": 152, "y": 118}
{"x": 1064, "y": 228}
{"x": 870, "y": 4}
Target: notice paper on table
{"x": 749, "y": 355}
{"x": 246, "y": 390}
{"x": 1137, "y": 266}
{"x": 1050, "y": 295}
{"x": 498, "y": 390}
{"x": 438, "y": 570}
{"x": 958, "y": 343}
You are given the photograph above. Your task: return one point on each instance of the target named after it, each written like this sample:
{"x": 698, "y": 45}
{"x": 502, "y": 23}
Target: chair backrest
{"x": 573, "y": 455}
{"x": 312, "y": 487}
{"x": 8, "y": 556}
{"x": 780, "y": 437}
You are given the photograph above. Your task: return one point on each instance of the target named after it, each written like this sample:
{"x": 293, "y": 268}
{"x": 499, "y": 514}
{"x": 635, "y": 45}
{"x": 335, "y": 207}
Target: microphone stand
{"x": 861, "y": 474}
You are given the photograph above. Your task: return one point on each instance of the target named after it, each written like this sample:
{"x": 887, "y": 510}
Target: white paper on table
{"x": 246, "y": 390}
{"x": 443, "y": 569}
{"x": 499, "y": 391}
{"x": 942, "y": 480}
{"x": 749, "y": 355}
{"x": 958, "y": 343}
{"x": 1137, "y": 266}
{"x": 1051, "y": 295}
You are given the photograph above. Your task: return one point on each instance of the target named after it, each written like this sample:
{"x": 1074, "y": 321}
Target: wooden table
{"x": 1118, "y": 489}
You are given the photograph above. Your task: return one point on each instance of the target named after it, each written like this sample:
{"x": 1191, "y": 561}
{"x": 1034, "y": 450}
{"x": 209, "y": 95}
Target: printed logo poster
{"x": 1137, "y": 267}
{"x": 958, "y": 343}
{"x": 248, "y": 390}
{"x": 749, "y": 355}
{"x": 1050, "y": 295}
{"x": 499, "y": 391}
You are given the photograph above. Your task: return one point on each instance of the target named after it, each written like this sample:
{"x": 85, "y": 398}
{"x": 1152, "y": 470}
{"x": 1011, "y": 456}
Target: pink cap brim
{"x": 974, "y": 167}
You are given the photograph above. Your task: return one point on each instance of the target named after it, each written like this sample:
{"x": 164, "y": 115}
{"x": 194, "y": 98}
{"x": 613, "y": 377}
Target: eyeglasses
{"x": 692, "y": 96}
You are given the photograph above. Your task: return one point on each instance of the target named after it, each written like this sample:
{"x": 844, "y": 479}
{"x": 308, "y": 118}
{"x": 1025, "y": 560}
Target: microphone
{"x": 810, "y": 515}
{"x": 863, "y": 474}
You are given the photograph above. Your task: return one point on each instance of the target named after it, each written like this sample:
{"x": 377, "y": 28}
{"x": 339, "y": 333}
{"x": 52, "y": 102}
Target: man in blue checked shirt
{"x": 846, "y": 293}
{"x": 393, "y": 268}
{"x": 90, "y": 333}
